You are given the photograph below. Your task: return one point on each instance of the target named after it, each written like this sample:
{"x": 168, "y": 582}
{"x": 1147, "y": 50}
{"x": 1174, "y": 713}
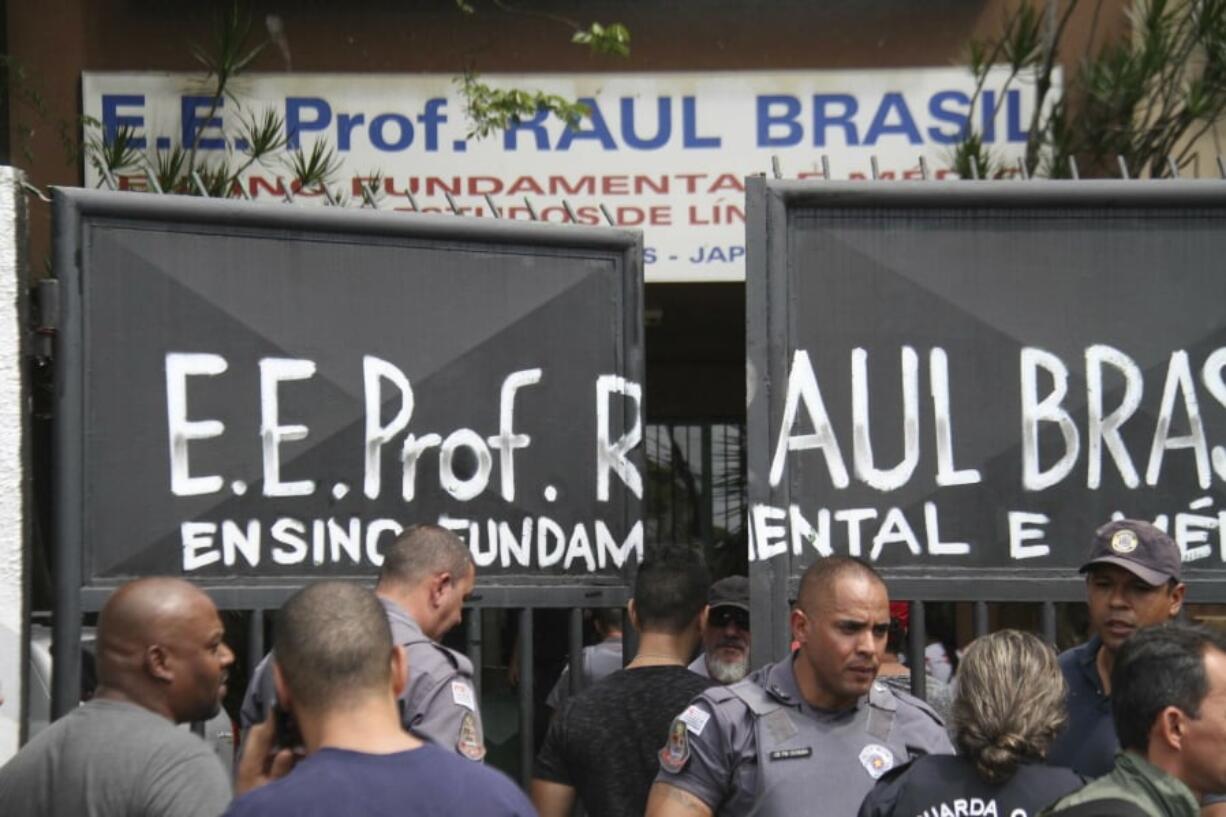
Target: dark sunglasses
{"x": 720, "y": 616}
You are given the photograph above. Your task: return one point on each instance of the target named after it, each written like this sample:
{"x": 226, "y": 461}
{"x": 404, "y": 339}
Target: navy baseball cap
{"x": 732, "y": 591}
{"x": 1138, "y": 547}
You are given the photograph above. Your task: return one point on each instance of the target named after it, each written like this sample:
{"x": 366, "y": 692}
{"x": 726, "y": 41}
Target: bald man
{"x": 161, "y": 661}
{"x": 810, "y": 734}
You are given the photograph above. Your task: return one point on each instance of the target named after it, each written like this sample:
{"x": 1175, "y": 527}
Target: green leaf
{"x": 492, "y": 109}
{"x": 613, "y": 39}
{"x": 315, "y": 168}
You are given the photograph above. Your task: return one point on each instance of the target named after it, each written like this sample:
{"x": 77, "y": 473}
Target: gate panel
{"x": 958, "y": 382}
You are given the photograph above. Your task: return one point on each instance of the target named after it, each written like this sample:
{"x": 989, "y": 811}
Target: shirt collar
{"x": 1087, "y": 659}
{"x": 780, "y": 683}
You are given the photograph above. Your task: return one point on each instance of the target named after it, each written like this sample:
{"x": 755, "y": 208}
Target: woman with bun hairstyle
{"x": 1008, "y": 707}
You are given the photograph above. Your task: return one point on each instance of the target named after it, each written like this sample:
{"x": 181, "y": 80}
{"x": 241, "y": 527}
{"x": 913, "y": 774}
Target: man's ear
{"x": 702, "y": 618}
{"x": 439, "y": 583}
{"x": 157, "y": 663}
{"x": 1169, "y": 728}
{"x": 285, "y": 698}
{"x": 632, "y": 614}
{"x": 1177, "y": 598}
{"x": 400, "y": 670}
{"x": 800, "y": 625}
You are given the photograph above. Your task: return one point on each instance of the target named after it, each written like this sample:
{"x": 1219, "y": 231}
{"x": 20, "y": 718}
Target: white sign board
{"x": 666, "y": 152}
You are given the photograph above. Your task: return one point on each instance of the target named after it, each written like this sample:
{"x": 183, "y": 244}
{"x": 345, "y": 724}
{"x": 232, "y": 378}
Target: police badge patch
{"x": 676, "y": 753}
{"x": 1124, "y": 542}
{"x": 876, "y": 760}
{"x": 470, "y": 744}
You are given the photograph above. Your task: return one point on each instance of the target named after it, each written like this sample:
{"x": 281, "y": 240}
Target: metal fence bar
{"x": 575, "y": 635}
{"x": 1047, "y": 618}
{"x": 255, "y": 640}
{"x": 981, "y": 625}
{"x": 472, "y": 635}
{"x": 917, "y": 638}
{"x": 706, "y": 517}
{"x": 630, "y": 639}
{"x": 671, "y": 433}
{"x": 527, "y": 714}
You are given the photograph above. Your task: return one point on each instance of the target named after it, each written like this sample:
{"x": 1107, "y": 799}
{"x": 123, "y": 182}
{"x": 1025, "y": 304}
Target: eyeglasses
{"x": 722, "y": 616}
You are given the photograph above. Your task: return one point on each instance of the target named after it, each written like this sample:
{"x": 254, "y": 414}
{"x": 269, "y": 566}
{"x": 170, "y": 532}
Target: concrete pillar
{"x": 14, "y": 457}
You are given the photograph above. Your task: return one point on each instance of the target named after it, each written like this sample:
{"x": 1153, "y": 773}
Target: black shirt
{"x": 936, "y": 785}
{"x": 605, "y": 742}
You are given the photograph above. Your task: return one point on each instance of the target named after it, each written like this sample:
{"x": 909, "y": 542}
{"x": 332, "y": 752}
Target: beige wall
{"x": 55, "y": 40}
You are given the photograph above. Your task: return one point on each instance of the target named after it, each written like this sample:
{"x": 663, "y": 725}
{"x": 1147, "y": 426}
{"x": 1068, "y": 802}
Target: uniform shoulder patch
{"x": 676, "y": 753}
{"x": 876, "y": 760}
{"x": 463, "y": 695}
{"x": 695, "y": 719}
{"x": 469, "y": 743}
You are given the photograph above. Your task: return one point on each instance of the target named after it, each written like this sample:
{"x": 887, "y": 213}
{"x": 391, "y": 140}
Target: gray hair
{"x": 423, "y": 551}
{"x": 333, "y": 644}
{"x": 1009, "y": 703}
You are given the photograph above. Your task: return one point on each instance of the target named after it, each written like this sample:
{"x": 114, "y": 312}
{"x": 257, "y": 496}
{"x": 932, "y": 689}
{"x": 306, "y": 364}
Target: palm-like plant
{"x": 1143, "y": 100}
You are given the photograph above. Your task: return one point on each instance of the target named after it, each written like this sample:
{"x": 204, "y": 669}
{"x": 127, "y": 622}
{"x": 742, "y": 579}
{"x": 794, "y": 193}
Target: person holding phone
{"x": 339, "y": 673}
{"x": 426, "y": 576}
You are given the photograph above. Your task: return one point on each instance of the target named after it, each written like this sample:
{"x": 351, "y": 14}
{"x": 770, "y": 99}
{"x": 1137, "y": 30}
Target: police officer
{"x": 809, "y": 734}
{"x": 426, "y": 575}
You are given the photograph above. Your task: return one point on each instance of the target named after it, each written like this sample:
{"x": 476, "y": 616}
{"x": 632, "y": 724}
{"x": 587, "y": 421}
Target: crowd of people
{"x": 360, "y": 710}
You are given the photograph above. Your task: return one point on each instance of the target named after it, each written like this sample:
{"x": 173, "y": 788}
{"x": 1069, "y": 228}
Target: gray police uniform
{"x": 756, "y": 747}
{"x": 599, "y": 661}
{"x": 439, "y": 704}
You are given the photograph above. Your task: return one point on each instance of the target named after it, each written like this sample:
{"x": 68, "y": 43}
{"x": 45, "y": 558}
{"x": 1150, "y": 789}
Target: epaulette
{"x": 920, "y": 704}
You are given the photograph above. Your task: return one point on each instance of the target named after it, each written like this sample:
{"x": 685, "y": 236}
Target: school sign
{"x": 664, "y": 152}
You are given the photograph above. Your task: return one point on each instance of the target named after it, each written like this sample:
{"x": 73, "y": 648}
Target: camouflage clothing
{"x": 1133, "y": 782}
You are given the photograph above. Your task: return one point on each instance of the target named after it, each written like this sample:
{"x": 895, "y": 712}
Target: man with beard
{"x": 725, "y": 639}
{"x": 810, "y": 734}
{"x": 161, "y": 661}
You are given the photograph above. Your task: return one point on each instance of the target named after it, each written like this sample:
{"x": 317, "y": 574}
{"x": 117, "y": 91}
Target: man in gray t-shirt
{"x": 114, "y": 758}
{"x": 161, "y": 661}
